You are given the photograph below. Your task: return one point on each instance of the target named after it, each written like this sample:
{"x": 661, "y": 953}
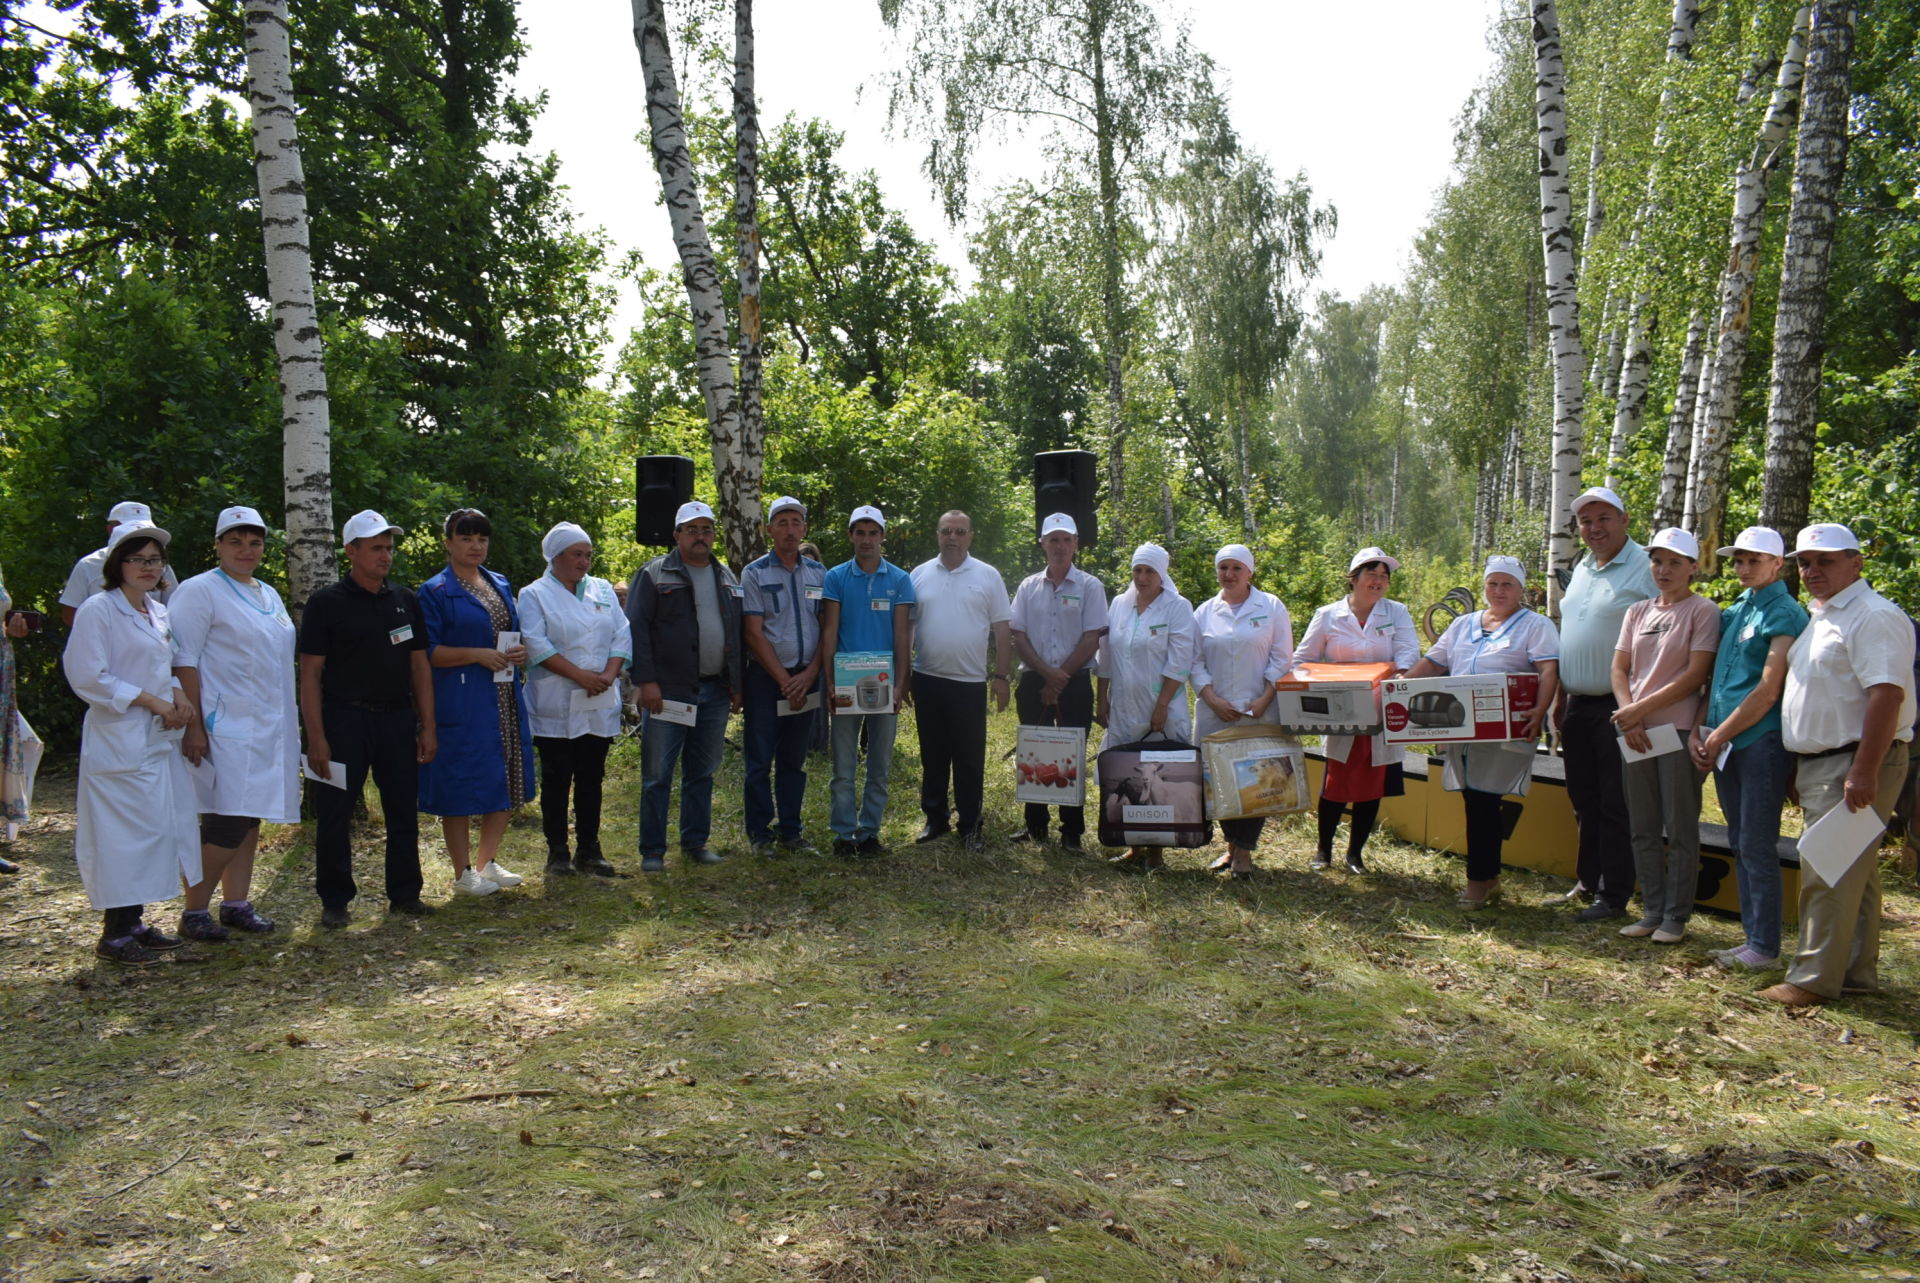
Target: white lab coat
{"x": 585, "y": 627}
{"x": 136, "y": 834}
{"x": 1240, "y": 651}
{"x": 242, "y": 644}
{"x": 1140, "y": 648}
{"x": 1335, "y": 635}
{"x": 1520, "y": 642}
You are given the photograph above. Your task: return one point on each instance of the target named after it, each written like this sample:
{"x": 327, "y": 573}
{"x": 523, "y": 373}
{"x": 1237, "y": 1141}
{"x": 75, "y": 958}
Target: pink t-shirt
{"x": 1661, "y": 640}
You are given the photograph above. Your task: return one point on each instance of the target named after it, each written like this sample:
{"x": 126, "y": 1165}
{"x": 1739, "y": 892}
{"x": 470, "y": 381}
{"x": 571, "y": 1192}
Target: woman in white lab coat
{"x": 1361, "y": 628}
{"x": 135, "y": 837}
{"x": 1243, "y": 645}
{"x": 234, "y": 658}
{"x": 1143, "y": 665}
{"x": 577, "y": 641}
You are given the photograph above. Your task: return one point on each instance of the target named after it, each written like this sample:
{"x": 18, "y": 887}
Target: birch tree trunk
{"x": 1800, "y": 325}
{"x": 738, "y": 458}
{"x": 1112, "y": 285}
{"x": 1707, "y": 502}
{"x": 746, "y": 217}
{"x": 306, "y": 451}
{"x": 1563, "y": 300}
{"x": 1671, "y": 506}
{"x": 1635, "y": 369}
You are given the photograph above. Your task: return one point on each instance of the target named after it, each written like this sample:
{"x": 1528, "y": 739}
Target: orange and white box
{"x": 1331, "y": 699}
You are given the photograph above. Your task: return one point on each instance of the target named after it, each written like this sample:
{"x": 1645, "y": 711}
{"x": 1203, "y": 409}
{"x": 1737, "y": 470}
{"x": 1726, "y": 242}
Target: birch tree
{"x": 739, "y": 457}
{"x": 1563, "y": 299}
{"x": 1721, "y": 377}
{"x": 1671, "y": 505}
{"x": 746, "y": 219}
{"x": 1799, "y": 325}
{"x": 306, "y": 457}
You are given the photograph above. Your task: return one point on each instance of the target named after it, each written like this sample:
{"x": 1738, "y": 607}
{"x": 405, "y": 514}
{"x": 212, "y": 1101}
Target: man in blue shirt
{"x": 781, "y": 614}
{"x": 868, "y": 608}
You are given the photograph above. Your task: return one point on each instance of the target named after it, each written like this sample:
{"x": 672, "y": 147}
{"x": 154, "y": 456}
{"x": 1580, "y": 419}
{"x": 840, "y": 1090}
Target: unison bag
{"x": 1253, "y": 770}
{"x": 1152, "y": 794}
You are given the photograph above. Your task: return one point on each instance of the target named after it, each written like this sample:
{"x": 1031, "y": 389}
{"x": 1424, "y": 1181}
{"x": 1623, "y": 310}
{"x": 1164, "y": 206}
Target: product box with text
{"x": 1456, "y": 710}
{"x": 1331, "y": 699}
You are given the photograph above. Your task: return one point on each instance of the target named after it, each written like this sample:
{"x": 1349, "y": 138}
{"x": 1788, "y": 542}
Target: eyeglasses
{"x": 147, "y": 563}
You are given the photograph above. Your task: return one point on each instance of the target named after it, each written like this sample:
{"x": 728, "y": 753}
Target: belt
{"x": 1828, "y": 752}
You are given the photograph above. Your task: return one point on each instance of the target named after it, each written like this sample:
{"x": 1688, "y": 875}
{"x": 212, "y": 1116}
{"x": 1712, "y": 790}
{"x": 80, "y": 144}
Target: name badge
{"x": 879, "y": 604}
{"x": 404, "y": 633}
{"x": 1156, "y": 629}
{"x": 1069, "y": 599}
{"x": 1751, "y": 629}
{"x": 736, "y": 590}
{"x": 815, "y": 593}
{"x": 1257, "y": 621}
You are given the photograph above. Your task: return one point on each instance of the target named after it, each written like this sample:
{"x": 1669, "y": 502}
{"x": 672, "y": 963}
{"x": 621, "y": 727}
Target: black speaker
{"x": 1063, "y": 481}
{"x": 662, "y": 482}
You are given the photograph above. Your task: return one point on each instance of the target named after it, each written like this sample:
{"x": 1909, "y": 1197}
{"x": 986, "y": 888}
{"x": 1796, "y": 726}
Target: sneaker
{"x": 127, "y": 952}
{"x": 500, "y": 875}
{"x": 1600, "y": 911}
{"x": 653, "y": 864}
{"x": 334, "y": 918}
{"x": 198, "y": 924}
{"x": 241, "y": 915}
{"x": 471, "y": 882}
{"x": 1641, "y": 929}
{"x": 8, "y": 866}
{"x": 154, "y": 938}
{"x": 1745, "y": 958}
{"x": 1670, "y": 933}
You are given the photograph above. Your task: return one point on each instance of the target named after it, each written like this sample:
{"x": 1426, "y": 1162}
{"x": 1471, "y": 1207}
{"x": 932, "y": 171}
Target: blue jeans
{"x": 1753, "y": 789}
{"x": 846, "y": 762}
{"x": 660, "y": 747}
{"x": 776, "y": 753}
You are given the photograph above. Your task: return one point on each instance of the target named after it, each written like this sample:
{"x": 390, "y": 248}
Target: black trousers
{"x": 579, "y": 765}
{"x": 952, "y": 720}
{"x": 1074, "y": 709}
{"x": 1243, "y": 832}
{"x": 1486, "y": 832}
{"x": 380, "y": 742}
{"x": 120, "y": 921}
{"x": 1597, "y": 788}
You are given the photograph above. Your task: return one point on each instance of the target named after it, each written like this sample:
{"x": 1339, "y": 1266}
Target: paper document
{"x": 585, "y": 703}
{"x": 1720, "y": 762}
{"x": 1834, "y": 842}
{"x": 336, "y": 773}
{"x": 807, "y": 705}
{"x": 679, "y": 712}
{"x": 507, "y": 642}
{"x": 1665, "y": 740}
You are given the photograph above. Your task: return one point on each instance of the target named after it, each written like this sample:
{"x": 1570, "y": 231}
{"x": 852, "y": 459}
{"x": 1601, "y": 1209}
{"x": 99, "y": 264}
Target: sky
{"x": 1367, "y": 111}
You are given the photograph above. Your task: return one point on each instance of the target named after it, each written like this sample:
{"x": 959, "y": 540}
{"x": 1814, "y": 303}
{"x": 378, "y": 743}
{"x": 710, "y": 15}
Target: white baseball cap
{"x": 130, "y": 510}
{"x": 365, "y": 525}
{"x": 1756, "y": 539}
{"x": 1497, "y": 564}
{"x": 692, "y": 510}
{"x": 1365, "y": 555}
{"x": 231, "y": 517}
{"x": 783, "y": 503}
{"x": 1674, "y": 539}
{"x": 866, "y": 512}
{"x": 1600, "y": 494}
{"x": 137, "y": 529}
{"x": 1058, "y": 521}
{"x": 1827, "y": 536}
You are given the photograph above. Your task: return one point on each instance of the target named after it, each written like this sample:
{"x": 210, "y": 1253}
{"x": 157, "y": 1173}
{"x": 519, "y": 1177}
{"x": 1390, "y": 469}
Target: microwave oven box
{"x": 1331, "y": 699}
{"x": 1458, "y": 709}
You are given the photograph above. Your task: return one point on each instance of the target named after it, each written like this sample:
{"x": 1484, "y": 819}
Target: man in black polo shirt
{"x": 366, "y": 698}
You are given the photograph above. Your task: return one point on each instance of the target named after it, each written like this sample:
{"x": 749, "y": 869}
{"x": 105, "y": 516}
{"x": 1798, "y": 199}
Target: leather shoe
{"x": 870, "y": 848}
{"x": 559, "y": 869}
{"x": 596, "y": 864}
{"x": 1355, "y": 864}
{"x": 844, "y": 848}
{"x": 703, "y": 855}
{"x": 412, "y": 908}
{"x": 975, "y": 841}
{"x": 1600, "y": 911}
{"x": 1028, "y": 837}
{"x": 334, "y": 918}
{"x": 1070, "y": 841}
{"x": 930, "y": 831}
{"x": 1788, "y": 994}
{"x": 653, "y": 864}
{"x": 799, "y": 846}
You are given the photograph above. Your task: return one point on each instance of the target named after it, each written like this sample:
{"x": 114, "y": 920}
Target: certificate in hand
{"x": 1664, "y": 737}
{"x": 679, "y": 712}
{"x": 585, "y": 703}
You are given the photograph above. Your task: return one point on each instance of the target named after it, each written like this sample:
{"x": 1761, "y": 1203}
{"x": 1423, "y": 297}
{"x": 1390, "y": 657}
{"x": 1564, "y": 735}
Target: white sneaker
{"x": 500, "y": 875}
{"x": 471, "y": 883}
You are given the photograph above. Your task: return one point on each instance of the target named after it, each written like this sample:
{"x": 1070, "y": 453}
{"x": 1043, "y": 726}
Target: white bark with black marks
{"x": 1635, "y": 367}
{"x": 746, "y": 217}
{"x": 1563, "y": 298}
{"x": 1671, "y": 506}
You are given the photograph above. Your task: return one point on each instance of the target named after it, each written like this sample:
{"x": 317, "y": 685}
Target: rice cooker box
{"x": 1331, "y": 699}
{"x": 1458, "y": 710}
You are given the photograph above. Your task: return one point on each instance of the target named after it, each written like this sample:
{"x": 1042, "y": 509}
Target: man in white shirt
{"x": 1059, "y": 617}
{"x": 83, "y": 581}
{"x": 961, "y": 602}
{"x": 1846, "y": 716}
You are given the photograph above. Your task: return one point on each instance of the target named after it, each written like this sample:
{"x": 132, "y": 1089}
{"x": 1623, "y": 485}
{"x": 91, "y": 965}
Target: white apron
{"x": 135, "y": 834}
{"x": 242, "y": 644}
{"x": 1141, "y": 648}
{"x": 586, "y": 628}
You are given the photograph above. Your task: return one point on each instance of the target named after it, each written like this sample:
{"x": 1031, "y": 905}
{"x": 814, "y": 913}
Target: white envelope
{"x": 1665, "y": 740}
{"x": 508, "y": 640}
{"x": 585, "y": 703}
{"x": 336, "y": 772}
{"x": 679, "y": 712}
{"x": 1834, "y": 843}
{"x": 810, "y": 704}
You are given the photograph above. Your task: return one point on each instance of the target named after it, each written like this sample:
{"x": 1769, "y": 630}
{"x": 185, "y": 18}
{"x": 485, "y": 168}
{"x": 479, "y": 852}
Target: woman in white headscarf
{"x": 1143, "y": 665}
{"x": 1243, "y": 644}
{"x": 1363, "y": 627}
{"x": 577, "y": 642}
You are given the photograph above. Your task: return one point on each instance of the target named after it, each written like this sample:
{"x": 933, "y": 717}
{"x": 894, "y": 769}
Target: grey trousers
{"x": 1840, "y": 925}
{"x": 1663, "y": 818}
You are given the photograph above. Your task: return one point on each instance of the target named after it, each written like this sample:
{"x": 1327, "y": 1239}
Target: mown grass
{"x": 939, "y": 1066}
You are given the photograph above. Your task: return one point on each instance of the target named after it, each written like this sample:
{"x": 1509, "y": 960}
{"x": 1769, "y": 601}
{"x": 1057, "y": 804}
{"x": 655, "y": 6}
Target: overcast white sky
{"x": 1366, "y": 110}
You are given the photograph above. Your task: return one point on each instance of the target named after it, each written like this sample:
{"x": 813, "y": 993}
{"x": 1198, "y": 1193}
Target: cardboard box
{"x": 1459, "y": 710}
{"x": 1331, "y": 699}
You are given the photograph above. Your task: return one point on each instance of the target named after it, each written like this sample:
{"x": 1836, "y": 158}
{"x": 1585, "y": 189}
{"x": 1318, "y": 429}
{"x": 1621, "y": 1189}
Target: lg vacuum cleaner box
{"x": 1331, "y": 699}
{"x": 1457, "y": 710}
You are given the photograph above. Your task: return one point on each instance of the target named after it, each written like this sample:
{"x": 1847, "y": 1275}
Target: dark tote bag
{"x": 1152, "y": 793}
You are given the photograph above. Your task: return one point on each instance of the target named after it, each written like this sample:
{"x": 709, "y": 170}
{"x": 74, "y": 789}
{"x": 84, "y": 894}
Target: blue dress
{"x": 472, "y": 714}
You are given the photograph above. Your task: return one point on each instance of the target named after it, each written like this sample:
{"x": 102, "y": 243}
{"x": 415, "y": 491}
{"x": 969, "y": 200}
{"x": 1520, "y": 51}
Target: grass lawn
{"x": 1014, "y": 1066}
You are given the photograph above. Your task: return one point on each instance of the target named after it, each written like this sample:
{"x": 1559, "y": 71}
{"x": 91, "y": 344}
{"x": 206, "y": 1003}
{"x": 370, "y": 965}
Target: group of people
{"x": 449, "y": 694}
